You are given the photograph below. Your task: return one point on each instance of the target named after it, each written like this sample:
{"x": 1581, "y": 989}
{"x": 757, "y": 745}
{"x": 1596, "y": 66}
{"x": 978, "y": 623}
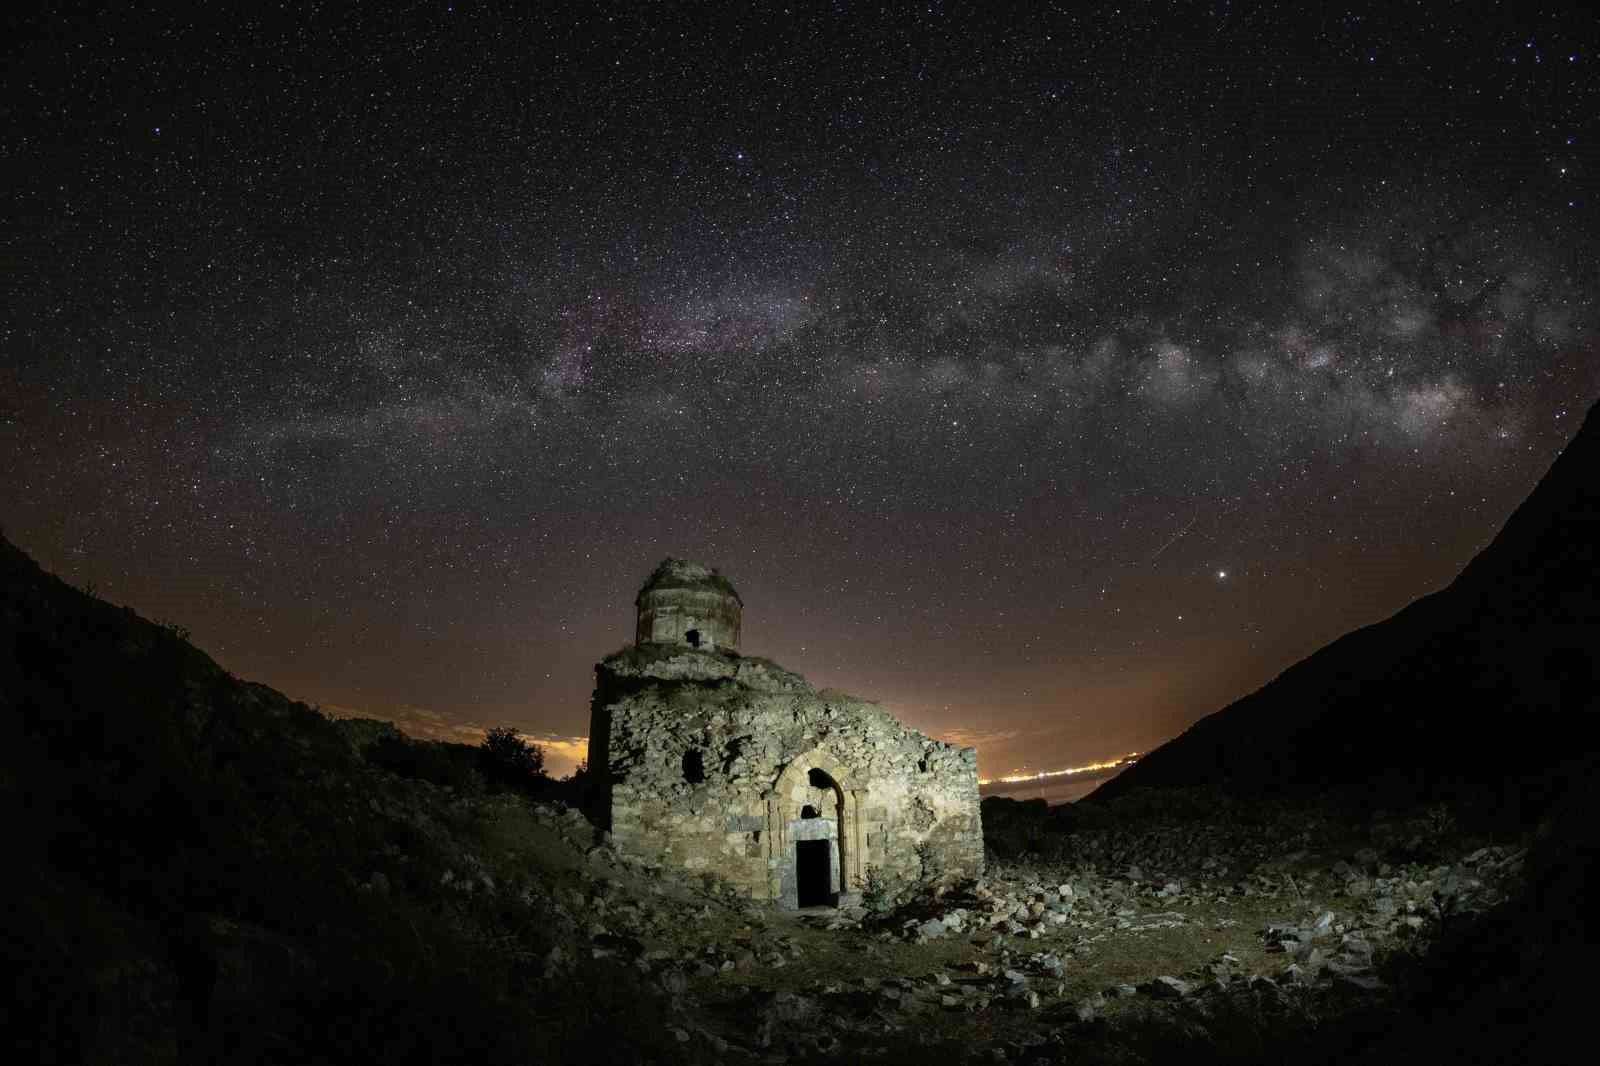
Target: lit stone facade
{"x": 716, "y": 763}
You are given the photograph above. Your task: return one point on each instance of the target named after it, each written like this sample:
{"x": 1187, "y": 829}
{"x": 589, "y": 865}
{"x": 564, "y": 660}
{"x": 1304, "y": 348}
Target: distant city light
{"x": 1017, "y": 778}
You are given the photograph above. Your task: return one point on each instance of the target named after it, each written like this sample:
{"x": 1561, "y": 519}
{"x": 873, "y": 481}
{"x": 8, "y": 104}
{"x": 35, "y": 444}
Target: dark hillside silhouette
{"x": 200, "y": 869}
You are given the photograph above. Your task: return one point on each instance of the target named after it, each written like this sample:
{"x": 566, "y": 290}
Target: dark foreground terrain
{"x": 203, "y": 870}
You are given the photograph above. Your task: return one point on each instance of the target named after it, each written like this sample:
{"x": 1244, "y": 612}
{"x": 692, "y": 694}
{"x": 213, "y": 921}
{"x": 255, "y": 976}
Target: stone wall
{"x": 732, "y": 766}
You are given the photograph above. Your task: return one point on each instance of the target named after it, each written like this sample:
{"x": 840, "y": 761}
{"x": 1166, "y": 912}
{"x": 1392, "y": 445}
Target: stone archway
{"x": 819, "y": 781}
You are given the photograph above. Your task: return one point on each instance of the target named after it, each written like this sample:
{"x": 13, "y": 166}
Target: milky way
{"x": 1053, "y": 381}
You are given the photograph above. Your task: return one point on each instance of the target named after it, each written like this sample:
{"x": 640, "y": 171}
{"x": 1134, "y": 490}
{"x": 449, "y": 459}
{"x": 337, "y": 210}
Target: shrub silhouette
{"x": 510, "y": 761}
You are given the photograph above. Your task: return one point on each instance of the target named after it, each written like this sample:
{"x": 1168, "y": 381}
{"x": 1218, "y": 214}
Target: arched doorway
{"x": 814, "y": 834}
{"x": 815, "y": 831}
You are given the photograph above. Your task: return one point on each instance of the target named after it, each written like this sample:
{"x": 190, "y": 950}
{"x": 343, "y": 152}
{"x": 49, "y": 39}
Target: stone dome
{"x": 686, "y": 603}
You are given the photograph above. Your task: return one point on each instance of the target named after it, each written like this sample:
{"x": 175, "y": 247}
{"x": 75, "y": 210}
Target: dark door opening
{"x": 813, "y": 873}
{"x": 693, "y": 637}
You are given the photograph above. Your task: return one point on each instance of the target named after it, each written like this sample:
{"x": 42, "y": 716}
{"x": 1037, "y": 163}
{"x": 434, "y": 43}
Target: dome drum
{"x": 685, "y": 603}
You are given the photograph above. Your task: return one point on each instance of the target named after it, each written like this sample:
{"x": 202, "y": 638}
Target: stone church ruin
{"x": 712, "y": 762}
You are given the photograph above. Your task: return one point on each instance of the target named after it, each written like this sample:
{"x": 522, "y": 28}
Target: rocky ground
{"x": 1280, "y": 927}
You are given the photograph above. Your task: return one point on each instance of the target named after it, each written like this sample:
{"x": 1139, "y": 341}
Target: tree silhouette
{"x": 510, "y": 760}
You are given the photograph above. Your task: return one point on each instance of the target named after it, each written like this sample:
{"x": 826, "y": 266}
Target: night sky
{"x": 1053, "y": 380}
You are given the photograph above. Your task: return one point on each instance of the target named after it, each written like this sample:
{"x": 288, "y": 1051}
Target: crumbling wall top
{"x": 670, "y": 662}
{"x": 675, "y": 573}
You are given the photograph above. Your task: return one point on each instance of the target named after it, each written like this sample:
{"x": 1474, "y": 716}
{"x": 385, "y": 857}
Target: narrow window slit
{"x": 694, "y": 766}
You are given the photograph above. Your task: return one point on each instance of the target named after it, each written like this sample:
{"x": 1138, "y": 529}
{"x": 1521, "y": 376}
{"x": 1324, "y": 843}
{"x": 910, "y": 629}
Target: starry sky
{"x": 1054, "y": 379}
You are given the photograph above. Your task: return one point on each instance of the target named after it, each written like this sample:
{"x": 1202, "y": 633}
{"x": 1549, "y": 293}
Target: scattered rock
{"x": 1165, "y": 987}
